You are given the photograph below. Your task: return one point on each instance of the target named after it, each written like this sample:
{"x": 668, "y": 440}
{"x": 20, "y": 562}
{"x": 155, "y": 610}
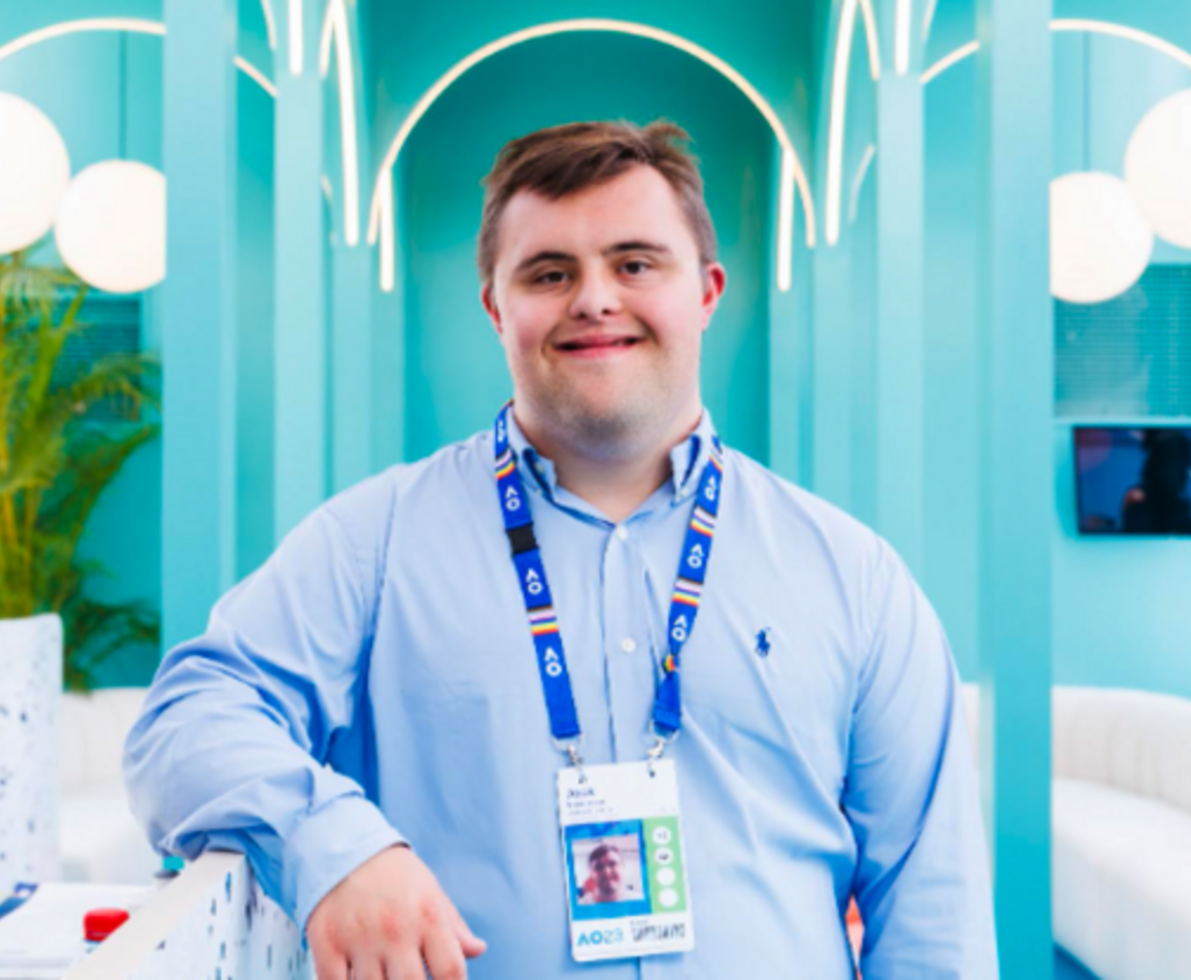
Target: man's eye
{"x": 550, "y": 278}
{"x": 635, "y": 267}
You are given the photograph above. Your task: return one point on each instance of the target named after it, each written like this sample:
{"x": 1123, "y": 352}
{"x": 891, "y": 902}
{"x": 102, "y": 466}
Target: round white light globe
{"x": 1158, "y": 168}
{"x": 111, "y": 226}
{"x": 34, "y": 172}
{"x": 1100, "y": 243}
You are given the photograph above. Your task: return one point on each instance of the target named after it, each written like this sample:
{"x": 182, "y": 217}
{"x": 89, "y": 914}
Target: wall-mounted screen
{"x": 1133, "y": 480}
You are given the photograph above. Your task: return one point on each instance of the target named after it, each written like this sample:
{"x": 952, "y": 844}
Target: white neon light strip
{"x": 325, "y": 38}
{"x": 839, "y": 100}
{"x": 256, "y": 75}
{"x": 133, "y": 25}
{"x": 388, "y": 234}
{"x": 901, "y": 55}
{"x": 297, "y": 37}
{"x": 785, "y": 221}
{"x": 1152, "y": 41}
{"x": 270, "y": 24}
{"x": 872, "y": 39}
{"x": 384, "y": 174}
{"x": 1128, "y": 33}
{"x": 928, "y": 19}
{"x": 335, "y": 31}
{"x": 858, "y": 180}
{"x": 129, "y": 24}
{"x": 956, "y": 56}
{"x": 347, "y": 125}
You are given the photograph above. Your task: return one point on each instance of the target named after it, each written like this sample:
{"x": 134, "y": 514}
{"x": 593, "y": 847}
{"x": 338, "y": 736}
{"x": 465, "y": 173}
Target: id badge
{"x": 625, "y": 864}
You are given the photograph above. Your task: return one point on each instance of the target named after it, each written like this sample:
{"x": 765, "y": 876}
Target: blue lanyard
{"x": 539, "y": 604}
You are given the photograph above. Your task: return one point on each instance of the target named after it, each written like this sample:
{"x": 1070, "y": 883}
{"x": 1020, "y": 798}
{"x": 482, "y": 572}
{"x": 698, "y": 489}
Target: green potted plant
{"x": 56, "y": 457}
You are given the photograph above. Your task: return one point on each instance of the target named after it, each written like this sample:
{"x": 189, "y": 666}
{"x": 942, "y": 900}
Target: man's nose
{"x": 597, "y": 297}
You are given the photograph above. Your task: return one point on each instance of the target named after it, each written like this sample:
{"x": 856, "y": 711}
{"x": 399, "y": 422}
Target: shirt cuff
{"x": 329, "y": 845}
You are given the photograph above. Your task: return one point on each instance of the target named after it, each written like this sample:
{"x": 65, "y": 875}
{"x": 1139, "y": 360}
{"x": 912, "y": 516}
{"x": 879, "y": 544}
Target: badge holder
{"x": 627, "y": 892}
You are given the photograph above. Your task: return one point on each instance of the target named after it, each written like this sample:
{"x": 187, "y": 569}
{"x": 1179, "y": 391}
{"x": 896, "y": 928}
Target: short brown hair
{"x": 605, "y": 847}
{"x": 561, "y": 160}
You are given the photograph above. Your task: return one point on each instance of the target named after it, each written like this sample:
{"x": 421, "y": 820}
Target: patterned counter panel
{"x": 213, "y": 922}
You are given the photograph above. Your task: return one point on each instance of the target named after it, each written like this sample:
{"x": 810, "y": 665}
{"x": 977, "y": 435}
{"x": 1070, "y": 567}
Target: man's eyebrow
{"x": 544, "y": 256}
{"x": 637, "y": 245}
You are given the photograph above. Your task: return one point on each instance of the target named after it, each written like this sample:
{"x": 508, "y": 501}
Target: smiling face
{"x": 606, "y": 866}
{"x": 601, "y": 301}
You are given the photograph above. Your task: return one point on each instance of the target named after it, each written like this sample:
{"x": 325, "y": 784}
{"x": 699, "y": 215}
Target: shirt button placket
{"x": 629, "y": 678}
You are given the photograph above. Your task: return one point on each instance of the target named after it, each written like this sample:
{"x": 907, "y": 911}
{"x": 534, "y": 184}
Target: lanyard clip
{"x": 653, "y": 754}
{"x": 570, "y": 748}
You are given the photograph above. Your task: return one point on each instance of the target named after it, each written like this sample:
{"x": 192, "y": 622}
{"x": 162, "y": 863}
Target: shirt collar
{"x": 687, "y": 460}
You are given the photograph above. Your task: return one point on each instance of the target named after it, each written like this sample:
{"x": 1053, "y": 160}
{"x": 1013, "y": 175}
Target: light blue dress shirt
{"x": 375, "y": 681}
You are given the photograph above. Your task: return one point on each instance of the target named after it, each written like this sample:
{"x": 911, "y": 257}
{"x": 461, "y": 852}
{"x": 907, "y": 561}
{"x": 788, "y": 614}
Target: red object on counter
{"x": 98, "y": 924}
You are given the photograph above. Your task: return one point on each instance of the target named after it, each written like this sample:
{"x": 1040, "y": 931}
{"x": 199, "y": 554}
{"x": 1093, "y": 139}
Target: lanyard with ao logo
{"x": 543, "y": 620}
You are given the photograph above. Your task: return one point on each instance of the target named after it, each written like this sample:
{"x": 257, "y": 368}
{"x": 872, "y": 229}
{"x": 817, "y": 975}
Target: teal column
{"x": 837, "y": 423}
{"x": 351, "y": 358}
{"x": 831, "y": 304}
{"x": 900, "y": 337}
{"x": 790, "y": 350}
{"x": 254, "y": 354}
{"x": 353, "y": 278}
{"x": 1016, "y": 382}
{"x": 300, "y": 330}
{"x": 859, "y": 241}
{"x": 389, "y": 345}
{"x": 198, "y": 322}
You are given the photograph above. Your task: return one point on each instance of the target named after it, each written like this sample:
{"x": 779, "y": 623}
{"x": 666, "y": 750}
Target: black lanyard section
{"x": 539, "y": 604}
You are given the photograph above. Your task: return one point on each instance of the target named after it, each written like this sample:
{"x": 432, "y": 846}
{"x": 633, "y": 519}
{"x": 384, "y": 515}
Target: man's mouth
{"x": 594, "y": 344}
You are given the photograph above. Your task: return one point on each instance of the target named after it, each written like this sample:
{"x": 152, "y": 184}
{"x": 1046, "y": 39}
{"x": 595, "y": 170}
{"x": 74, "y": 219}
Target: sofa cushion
{"x": 1121, "y": 880}
{"x": 1135, "y": 741}
{"x": 100, "y": 839}
{"x": 91, "y": 738}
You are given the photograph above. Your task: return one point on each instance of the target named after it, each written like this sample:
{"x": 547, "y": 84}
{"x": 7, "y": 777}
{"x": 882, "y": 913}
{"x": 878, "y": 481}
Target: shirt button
{"x": 628, "y": 644}
{"x": 622, "y": 532}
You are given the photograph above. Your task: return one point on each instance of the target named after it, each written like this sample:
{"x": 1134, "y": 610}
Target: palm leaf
{"x": 94, "y": 631}
{"x": 56, "y": 460}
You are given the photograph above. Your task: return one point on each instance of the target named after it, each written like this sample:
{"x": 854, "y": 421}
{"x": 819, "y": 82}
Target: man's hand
{"x": 385, "y": 920}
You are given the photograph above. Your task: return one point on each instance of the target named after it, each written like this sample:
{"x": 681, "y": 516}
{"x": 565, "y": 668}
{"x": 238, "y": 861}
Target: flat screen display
{"x": 1133, "y": 480}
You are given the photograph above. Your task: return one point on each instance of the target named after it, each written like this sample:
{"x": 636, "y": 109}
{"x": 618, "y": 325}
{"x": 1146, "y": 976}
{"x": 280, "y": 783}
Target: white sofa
{"x": 1121, "y": 830}
{"x": 98, "y": 836}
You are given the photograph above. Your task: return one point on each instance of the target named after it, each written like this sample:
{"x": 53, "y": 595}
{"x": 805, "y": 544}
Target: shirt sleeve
{"x": 229, "y": 750}
{"x": 922, "y": 881}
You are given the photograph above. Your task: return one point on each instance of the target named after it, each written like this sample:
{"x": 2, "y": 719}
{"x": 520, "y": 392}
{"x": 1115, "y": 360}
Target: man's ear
{"x": 488, "y": 298}
{"x": 714, "y": 281}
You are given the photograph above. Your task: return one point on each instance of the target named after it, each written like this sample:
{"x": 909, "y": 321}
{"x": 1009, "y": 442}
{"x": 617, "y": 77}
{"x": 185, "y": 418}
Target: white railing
{"x": 213, "y": 920}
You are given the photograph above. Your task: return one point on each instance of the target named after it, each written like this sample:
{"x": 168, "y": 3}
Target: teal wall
{"x": 455, "y": 374}
{"x": 1120, "y": 612}
{"x": 103, "y": 91}
{"x": 409, "y": 46}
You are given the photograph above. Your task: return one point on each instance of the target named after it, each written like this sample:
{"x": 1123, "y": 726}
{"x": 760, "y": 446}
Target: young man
{"x": 606, "y": 867}
{"x": 405, "y": 635}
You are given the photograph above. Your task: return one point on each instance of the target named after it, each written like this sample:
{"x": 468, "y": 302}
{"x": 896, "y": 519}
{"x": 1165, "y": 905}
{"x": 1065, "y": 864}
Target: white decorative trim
{"x": 1104, "y": 28}
{"x": 132, "y": 25}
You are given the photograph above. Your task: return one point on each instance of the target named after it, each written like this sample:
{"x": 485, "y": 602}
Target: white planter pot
{"x": 30, "y": 697}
